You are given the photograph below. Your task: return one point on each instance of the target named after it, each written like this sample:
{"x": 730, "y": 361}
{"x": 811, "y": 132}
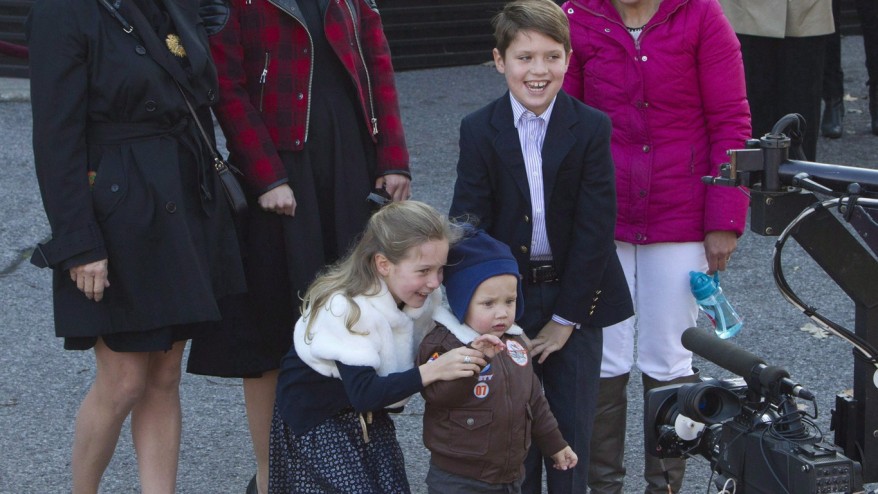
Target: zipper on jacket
{"x": 262, "y": 78}
{"x": 372, "y": 118}
{"x": 310, "y": 72}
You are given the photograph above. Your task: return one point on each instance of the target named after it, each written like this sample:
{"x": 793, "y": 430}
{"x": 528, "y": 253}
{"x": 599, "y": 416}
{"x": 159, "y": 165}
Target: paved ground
{"x": 42, "y": 385}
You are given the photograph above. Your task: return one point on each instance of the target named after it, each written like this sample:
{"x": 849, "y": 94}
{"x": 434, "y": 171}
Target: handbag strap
{"x": 218, "y": 163}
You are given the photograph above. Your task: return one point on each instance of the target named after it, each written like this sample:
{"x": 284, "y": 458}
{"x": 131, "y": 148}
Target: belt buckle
{"x": 543, "y": 274}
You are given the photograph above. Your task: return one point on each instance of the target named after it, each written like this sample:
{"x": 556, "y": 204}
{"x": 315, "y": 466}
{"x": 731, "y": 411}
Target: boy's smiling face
{"x": 534, "y": 66}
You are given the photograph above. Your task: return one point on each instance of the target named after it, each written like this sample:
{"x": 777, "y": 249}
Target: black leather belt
{"x": 541, "y": 273}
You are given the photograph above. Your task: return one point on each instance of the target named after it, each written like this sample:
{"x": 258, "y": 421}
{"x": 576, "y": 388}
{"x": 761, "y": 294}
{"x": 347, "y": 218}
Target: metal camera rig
{"x": 733, "y": 424}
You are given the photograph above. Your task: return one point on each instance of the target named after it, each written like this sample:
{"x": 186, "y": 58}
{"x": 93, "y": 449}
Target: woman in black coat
{"x": 143, "y": 242}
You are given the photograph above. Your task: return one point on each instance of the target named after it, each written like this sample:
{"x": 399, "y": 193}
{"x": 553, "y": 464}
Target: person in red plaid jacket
{"x": 309, "y": 108}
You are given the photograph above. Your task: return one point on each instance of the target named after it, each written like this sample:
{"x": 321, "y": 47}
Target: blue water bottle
{"x": 714, "y": 304}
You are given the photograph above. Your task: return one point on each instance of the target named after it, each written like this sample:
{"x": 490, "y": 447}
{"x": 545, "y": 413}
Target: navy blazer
{"x": 580, "y": 201}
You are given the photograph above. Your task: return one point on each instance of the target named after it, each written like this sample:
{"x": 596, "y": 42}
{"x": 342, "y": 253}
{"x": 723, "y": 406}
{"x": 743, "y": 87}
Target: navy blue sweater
{"x": 306, "y": 398}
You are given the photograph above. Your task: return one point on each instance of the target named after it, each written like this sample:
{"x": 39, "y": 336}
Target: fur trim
{"x": 464, "y": 333}
{"x": 384, "y": 338}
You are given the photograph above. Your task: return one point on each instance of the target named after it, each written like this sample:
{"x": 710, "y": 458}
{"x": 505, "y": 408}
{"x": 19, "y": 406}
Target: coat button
{"x": 300, "y": 96}
{"x": 645, "y": 149}
{"x": 114, "y": 188}
{"x": 643, "y": 58}
{"x": 140, "y": 50}
{"x": 523, "y": 249}
{"x": 171, "y": 207}
{"x": 470, "y": 421}
{"x": 642, "y": 193}
{"x": 638, "y": 236}
{"x": 298, "y": 143}
{"x": 151, "y": 105}
{"x": 526, "y": 219}
{"x": 211, "y": 94}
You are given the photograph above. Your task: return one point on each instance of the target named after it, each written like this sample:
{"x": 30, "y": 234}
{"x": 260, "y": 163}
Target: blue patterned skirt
{"x": 333, "y": 458}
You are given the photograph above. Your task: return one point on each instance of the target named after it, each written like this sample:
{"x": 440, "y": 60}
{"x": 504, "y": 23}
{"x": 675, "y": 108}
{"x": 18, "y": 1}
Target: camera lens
{"x": 708, "y": 403}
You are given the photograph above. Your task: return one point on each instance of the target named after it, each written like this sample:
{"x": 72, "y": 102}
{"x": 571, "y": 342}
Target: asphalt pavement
{"x": 41, "y": 385}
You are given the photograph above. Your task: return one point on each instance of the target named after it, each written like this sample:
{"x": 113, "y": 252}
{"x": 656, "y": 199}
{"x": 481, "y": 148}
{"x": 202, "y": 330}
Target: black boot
{"x": 873, "y": 106}
{"x": 832, "y": 125}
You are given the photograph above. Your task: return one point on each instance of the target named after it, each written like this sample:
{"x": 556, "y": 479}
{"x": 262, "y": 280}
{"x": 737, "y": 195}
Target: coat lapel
{"x": 507, "y": 145}
{"x": 559, "y": 141}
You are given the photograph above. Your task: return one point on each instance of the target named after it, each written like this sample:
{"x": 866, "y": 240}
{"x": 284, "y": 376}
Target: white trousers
{"x": 658, "y": 278}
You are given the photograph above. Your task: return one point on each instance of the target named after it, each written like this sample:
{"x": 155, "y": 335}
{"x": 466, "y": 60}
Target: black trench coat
{"x": 105, "y": 105}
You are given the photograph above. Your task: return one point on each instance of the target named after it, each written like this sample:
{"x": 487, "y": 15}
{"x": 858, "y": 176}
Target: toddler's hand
{"x": 565, "y": 459}
{"x": 488, "y": 344}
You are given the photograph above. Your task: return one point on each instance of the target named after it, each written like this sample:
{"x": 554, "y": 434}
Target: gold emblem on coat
{"x": 174, "y": 45}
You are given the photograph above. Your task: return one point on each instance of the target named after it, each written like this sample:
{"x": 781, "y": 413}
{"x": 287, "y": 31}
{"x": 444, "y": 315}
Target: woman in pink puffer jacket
{"x": 670, "y": 76}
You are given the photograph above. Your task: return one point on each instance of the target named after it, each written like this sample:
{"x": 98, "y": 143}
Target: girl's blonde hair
{"x": 392, "y": 231}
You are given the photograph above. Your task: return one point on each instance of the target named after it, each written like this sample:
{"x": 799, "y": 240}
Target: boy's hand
{"x": 565, "y": 459}
{"x": 488, "y": 344}
{"x": 550, "y": 339}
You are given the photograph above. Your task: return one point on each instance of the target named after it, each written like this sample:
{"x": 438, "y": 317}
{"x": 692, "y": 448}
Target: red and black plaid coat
{"x": 264, "y": 60}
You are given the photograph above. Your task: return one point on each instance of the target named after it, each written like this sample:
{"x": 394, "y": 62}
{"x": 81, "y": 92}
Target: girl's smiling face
{"x": 414, "y": 278}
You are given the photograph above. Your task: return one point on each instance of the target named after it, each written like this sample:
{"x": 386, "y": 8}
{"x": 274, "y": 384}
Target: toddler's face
{"x": 534, "y": 66}
{"x": 415, "y": 277}
{"x": 492, "y": 307}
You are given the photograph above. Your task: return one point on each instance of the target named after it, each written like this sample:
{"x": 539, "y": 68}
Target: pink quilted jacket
{"x": 678, "y": 101}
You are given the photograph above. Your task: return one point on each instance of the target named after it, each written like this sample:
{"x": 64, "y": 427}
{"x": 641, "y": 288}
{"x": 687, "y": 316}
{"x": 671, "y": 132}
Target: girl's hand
{"x": 458, "y": 363}
{"x": 280, "y": 200}
{"x": 91, "y": 279}
{"x": 565, "y": 459}
{"x": 488, "y": 344}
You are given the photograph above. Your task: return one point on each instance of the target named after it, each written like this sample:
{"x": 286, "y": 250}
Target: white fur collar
{"x": 384, "y": 338}
{"x": 464, "y": 333}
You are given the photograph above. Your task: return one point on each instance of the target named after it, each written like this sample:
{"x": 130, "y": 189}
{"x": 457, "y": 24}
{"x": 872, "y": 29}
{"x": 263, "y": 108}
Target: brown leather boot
{"x": 606, "y": 467}
{"x": 664, "y": 475}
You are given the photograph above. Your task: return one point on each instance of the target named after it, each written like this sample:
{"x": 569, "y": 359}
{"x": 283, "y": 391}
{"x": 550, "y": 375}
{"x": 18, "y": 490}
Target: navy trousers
{"x": 570, "y": 379}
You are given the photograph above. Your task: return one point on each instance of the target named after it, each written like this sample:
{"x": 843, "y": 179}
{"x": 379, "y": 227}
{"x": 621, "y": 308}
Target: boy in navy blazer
{"x": 535, "y": 169}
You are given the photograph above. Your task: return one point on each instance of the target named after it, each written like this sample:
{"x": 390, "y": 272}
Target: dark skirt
{"x": 332, "y": 458}
{"x": 154, "y": 340}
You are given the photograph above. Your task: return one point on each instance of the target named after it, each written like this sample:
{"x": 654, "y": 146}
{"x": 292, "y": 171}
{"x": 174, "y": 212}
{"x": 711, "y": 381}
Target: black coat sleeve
{"x": 59, "y": 78}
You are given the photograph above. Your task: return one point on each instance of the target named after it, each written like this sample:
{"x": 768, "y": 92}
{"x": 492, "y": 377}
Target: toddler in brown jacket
{"x": 479, "y": 429}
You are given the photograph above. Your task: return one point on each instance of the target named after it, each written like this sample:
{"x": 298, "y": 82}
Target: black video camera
{"x": 750, "y": 428}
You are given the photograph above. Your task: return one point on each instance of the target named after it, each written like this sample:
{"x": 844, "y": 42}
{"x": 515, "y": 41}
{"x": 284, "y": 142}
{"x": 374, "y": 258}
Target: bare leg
{"x": 119, "y": 383}
{"x": 259, "y": 399}
{"x": 156, "y": 422}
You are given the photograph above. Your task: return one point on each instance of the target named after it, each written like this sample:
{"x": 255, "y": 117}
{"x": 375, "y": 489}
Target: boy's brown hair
{"x": 541, "y": 16}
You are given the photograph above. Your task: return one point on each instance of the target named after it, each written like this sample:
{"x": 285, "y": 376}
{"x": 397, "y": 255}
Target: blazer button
{"x": 298, "y": 143}
{"x": 151, "y": 105}
{"x": 171, "y": 207}
{"x": 300, "y": 96}
{"x": 114, "y": 188}
{"x": 140, "y": 50}
{"x": 526, "y": 219}
{"x": 523, "y": 249}
{"x": 211, "y": 94}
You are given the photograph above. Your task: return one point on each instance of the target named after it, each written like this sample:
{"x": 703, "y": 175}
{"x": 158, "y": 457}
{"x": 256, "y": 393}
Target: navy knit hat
{"x": 472, "y": 260}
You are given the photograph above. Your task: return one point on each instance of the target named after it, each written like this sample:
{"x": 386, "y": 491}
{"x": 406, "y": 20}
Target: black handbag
{"x": 231, "y": 186}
